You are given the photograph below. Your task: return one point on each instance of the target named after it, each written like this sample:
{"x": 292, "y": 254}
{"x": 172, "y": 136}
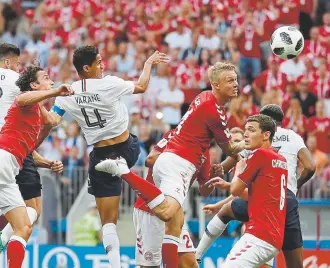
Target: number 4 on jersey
{"x": 100, "y": 122}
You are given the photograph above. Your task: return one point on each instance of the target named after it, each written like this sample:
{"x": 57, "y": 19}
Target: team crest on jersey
{"x": 148, "y": 256}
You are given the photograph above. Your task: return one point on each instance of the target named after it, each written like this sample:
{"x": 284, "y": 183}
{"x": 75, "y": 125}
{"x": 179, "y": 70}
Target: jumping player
{"x": 292, "y": 147}
{"x": 18, "y": 138}
{"x": 103, "y": 117}
{"x": 28, "y": 179}
{"x": 204, "y": 121}
{"x": 150, "y": 230}
{"x": 265, "y": 174}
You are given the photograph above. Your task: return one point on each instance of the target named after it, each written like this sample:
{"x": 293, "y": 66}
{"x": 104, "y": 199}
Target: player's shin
{"x": 170, "y": 251}
{"x": 111, "y": 244}
{"x": 149, "y": 192}
{"x": 15, "y": 252}
{"x": 213, "y": 230}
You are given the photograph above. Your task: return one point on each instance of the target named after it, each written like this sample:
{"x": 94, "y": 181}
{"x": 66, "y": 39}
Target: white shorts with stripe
{"x": 150, "y": 233}
{"x": 249, "y": 252}
{"x": 10, "y": 196}
{"x": 172, "y": 175}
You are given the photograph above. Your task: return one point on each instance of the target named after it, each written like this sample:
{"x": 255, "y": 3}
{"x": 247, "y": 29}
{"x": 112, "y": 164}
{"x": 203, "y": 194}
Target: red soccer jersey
{"x": 19, "y": 134}
{"x": 202, "y": 173}
{"x": 204, "y": 121}
{"x": 266, "y": 176}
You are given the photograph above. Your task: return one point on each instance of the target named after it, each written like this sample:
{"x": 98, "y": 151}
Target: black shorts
{"x": 28, "y": 179}
{"x": 292, "y": 232}
{"x": 101, "y": 184}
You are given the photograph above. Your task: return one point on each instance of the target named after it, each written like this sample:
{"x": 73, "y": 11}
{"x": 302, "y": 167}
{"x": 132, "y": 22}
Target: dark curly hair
{"x": 28, "y": 76}
{"x": 84, "y": 55}
{"x": 8, "y": 50}
{"x": 274, "y": 111}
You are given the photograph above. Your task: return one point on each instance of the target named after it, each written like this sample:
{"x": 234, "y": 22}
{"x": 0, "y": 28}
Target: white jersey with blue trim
{"x": 8, "y": 92}
{"x": 97, "y": 107}
{"x": 288, "y": 143}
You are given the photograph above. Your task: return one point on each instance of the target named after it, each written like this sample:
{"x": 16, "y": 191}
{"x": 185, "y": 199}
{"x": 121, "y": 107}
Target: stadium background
{"x": 194, "y": 33}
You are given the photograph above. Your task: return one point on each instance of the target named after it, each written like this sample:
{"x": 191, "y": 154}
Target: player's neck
{"x": 266, "y": 145}
{"x": 83, "y": 77}
{"x": 221, "y": 100}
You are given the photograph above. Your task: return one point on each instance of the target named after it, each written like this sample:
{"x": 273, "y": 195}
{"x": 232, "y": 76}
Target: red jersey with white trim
{"x": 204, "y": 121}
{"x": 202, "y": 174}
{"x": 20, "y": 132}
{"x": 266, "y": 175}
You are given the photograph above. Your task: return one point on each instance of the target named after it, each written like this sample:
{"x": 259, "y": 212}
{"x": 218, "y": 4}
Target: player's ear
{"x": 266, "y": 135}
{"x": 33, "y": 85}
{"x": 7, "y": 63}
{"x": 86, "y": 68}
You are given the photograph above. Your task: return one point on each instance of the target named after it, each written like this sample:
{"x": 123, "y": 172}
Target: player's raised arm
{"x": 35, "y": 92}
{"x": 307, "y": 161}
{"x": 142, "y": 84}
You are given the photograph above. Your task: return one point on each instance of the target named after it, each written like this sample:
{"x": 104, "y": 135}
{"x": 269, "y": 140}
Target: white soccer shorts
{"x": 10, "y": 196}
{"x": 172, "y": 175}
{"x": 150, "y": 233}
{"x": 249, "y": 252}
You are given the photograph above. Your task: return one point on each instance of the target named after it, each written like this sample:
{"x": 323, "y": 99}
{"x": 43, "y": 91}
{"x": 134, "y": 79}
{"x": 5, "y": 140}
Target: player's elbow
{"x": 140, "y": 89}
{"x": 20, "y": 101}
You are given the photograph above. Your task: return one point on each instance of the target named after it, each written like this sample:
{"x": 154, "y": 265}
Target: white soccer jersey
{"x": 97, "y": 107}
{"x": 8, "y": 92}
{"x": 288, "y": 144}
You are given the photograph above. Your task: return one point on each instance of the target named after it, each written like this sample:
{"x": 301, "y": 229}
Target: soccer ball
{"x": 287, "y": 42}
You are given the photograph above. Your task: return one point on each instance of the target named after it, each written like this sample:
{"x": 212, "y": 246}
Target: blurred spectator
{"x": 248, "y": 36}
{"x": 314, "y": 45}
{"x": 170, "y": 101}
{"x": 135, "y": 120}
{"x": 305, "y": 96}
{"x": 125, "y": 62}
{"x": 320, "y": 158}
{"x": 194, "y": 50}
{"x": 71, "y": 164}
{"x": 87, "y": 230}
{"x": 325, "y": 183}
{"x": 321, "y": 83}
{"x": 272, "y": 78}
{"x": 51, "y": 148}
{"x": 319, "y": 125}
{"x": 294, "y": 118}
{"x": 11, "y": 36}
{"x": 237, "y": 134}
{"x": 181, "y": 38}
{"x": 324, "y": 29}
{"x": 293, "y": 68}
{"x": 209, "y": 40}
{"x": 37, "y": 47}
{"x": 74, "y": 139}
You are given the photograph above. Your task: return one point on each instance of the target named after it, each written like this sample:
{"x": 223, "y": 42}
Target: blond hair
{"x": 214, "y": 71}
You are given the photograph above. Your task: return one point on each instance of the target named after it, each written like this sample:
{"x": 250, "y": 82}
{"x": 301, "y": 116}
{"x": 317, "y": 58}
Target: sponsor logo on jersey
{"x": 281, "y": 138}
{"x": 276, "y": 163}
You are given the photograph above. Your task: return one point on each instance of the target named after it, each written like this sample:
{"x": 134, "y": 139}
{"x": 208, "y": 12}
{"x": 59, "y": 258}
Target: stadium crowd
{"x": 194, "y": 34}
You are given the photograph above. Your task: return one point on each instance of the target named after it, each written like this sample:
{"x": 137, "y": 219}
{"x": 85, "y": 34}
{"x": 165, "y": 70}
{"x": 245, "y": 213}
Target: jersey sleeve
{"x": 121, "y": 87}
{"x": 253, "y": 165}
{"x": 58, "y": 107}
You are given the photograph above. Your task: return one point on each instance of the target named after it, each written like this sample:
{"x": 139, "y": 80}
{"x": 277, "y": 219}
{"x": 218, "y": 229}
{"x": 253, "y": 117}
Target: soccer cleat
{"x": 116, "y": 167}
{"x": 2, "y": 247}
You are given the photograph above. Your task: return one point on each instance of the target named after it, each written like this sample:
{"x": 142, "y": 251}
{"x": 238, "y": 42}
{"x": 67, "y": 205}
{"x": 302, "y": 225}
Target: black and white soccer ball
{"x": 287, "y": 42}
